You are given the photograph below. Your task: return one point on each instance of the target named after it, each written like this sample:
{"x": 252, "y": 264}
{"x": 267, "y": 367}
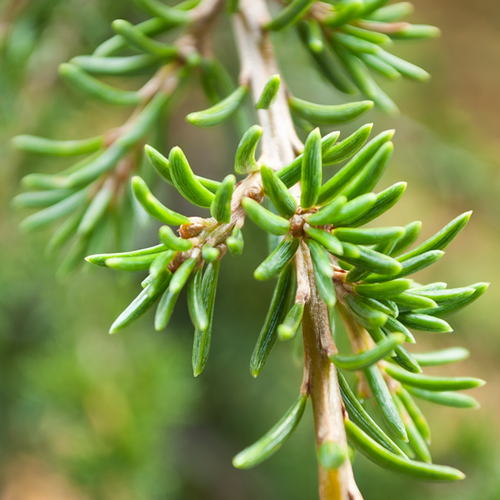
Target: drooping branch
{"x": 279, "y": 147}
{"x": 369, "y": 298}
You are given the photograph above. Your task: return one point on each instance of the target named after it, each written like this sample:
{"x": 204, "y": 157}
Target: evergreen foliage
{"x": 316, "y": 220}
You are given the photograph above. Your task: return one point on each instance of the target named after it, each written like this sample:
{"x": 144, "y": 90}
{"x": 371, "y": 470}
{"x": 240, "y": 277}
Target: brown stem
{"x": 258, "y": 63}
{"x": 279, "y": 147}
{"x": 329, "y": 412}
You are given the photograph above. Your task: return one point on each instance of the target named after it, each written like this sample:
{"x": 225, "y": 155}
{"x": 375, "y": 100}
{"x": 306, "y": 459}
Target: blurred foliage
{"x": 121, "y": 416}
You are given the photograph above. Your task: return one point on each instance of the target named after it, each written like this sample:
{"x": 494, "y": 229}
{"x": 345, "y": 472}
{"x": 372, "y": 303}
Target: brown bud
{"x": 193, "y": 228}
{"x": 296, "y": 225}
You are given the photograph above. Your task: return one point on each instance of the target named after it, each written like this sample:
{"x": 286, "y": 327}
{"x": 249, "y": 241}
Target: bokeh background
{"x": 84, "y": 415}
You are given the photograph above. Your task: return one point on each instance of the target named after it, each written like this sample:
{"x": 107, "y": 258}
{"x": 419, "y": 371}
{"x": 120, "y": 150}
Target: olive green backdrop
{"x": 85, "y": 415}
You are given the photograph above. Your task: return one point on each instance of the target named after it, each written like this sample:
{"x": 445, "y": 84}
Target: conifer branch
{"x": 323, "y": 256}
{"x": 279, "y": 148}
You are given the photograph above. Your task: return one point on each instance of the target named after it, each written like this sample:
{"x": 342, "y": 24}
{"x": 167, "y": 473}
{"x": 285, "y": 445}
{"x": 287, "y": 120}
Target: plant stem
{"x": 258, "y": 63}
{"x": 329, "y": 412}
{"x": 279, "y": 147}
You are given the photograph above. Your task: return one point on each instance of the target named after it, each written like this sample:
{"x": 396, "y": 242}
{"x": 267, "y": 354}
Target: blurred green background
{"x": 84, "y": 415}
